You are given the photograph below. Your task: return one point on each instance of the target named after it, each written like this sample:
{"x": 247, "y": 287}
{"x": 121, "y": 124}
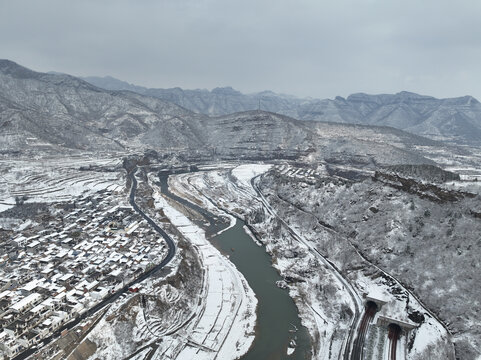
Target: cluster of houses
{"x": 52, "y": 276}
{"x": 298, "y": 173}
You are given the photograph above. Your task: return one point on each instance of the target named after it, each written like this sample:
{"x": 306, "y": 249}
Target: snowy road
{"x": 393, "y": 335}
{"x": 167, "y": 238}
{"x": 355, "y": 298}
{"x": 358, "y": 347}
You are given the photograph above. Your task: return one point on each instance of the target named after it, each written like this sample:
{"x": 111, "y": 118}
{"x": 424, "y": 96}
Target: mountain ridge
{"x": 456, "y": 120}
{"x": 57, "y": 112}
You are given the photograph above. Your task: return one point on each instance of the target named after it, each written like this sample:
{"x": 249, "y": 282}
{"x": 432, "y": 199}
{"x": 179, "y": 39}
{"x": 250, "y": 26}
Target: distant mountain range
{"x": 58, "y": 113}
{"x": 64, "y": 112}
{"x": 457, "y": 120}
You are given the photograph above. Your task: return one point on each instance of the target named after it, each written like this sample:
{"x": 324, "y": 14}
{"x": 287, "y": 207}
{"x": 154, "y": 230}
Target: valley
{"x": 133, "y": 228}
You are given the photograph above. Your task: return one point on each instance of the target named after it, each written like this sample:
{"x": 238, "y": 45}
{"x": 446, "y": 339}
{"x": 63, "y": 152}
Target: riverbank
{"x": 225, "y": 321}
{"x": 321, "y": 268}
{"x": 310, "y": 284}
{"x": 279, "y": 324}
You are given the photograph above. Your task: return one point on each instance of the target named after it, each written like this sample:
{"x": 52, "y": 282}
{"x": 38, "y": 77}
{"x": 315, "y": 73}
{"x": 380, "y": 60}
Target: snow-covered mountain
{"x": 421, "y": 233}
{"x": 457, "y": 120}
{"x": 345, "y": 210}
{"x": 40, "y": 111}
{"x": 59, "y": 110}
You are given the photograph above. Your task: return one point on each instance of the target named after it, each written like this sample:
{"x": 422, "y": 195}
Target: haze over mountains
{"x": 42, "y": 112}
{"x": 457, "y": 120}
{"x": 64, "y": 111}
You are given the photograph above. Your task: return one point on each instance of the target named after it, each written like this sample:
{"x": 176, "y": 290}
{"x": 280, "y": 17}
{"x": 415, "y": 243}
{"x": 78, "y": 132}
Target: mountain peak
{"x": 462, "y": 100}
{"x": 13, "y": 70}
{"x": 6, "y": 62}
{"x": 361, "y": 97}
{"x": 407, "y": 95}
{"x": 405, "y": 110}
{"x": 9, "y": 67}
{"x": 227, "y": 90}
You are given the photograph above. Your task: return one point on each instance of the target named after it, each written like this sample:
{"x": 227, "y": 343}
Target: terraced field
{"x": 56, "y": 179}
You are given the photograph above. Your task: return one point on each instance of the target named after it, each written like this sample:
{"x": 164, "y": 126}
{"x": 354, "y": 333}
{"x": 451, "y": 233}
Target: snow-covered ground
{"x": 405, "y": 235}
{"x": 245, "y": 173}
{"x": 215, "y": 320}
{"x": 330, "y": 277}
{"x": 55, "y": 179}
{"x": 233, "y": 192}
{"x": 239, "y": 194}
{"x": 225, "y": 318}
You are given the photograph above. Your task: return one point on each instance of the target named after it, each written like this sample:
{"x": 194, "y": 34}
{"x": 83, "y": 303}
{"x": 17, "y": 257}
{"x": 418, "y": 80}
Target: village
{"x": 87, "y": 251}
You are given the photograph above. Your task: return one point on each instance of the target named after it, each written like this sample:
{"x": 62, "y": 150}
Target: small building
{"x": 26, "y": 303}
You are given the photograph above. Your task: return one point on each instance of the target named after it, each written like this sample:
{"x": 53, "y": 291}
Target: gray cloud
{"x": 302, "y": 47}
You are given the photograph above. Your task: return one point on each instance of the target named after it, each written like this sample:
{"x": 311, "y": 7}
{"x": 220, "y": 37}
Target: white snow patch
{"x": 226, "y": 316}
{"x": 244, "y": 173}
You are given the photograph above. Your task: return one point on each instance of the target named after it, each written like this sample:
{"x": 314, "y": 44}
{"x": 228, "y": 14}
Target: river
{"x": 278, "y": 320}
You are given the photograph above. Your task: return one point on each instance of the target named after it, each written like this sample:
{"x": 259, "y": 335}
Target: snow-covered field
{"x": 55, "y": 179}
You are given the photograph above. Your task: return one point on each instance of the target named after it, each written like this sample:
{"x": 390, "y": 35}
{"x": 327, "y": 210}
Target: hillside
{"x": 457, "y": 120}
{"x": 55, "y": 112}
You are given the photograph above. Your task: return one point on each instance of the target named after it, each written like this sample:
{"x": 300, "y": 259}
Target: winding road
{"x": 356, "y": 300}
{"x": 167, "y": 238}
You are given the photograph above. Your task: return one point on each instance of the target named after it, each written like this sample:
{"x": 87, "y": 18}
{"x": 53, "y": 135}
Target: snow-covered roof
{"x": 26, "y": 301}
{"x": 5, "y": 294}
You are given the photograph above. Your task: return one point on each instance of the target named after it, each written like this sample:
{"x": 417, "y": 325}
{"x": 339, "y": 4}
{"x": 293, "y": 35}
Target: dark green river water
{"x": 278, "y": 321}
{"x": 276, "y": 311}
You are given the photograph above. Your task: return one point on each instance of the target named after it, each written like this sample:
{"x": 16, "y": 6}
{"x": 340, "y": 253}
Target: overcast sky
{"x": 301, "y": 47}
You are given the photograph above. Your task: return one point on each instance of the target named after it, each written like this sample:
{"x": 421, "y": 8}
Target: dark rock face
{"x": 423, "y": 190}
{"x": 426, "y": 172}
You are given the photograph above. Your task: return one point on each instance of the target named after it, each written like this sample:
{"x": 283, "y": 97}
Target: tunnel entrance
{"x": 371, "y": 307}
{"x": 394, "y": 333}
{"x": 376, "y": 300}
